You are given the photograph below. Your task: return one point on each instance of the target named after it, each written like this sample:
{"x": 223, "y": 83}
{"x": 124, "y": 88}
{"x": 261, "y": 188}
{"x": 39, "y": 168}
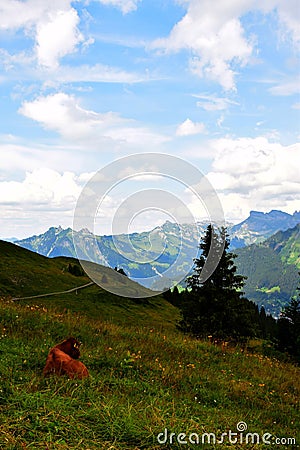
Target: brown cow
{"x": 62, "y": 360}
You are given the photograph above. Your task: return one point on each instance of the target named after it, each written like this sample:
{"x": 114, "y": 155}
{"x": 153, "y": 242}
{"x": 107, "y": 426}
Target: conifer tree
{"x": 224, "y": 277}
{"x": 289, "y": 328}
{"x": 216, "y": 306}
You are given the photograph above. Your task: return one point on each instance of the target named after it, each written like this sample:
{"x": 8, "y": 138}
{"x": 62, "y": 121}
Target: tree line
{"x": 217, "y": 307}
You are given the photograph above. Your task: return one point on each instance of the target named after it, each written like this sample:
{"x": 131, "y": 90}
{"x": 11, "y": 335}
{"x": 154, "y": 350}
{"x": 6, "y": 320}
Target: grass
{"x": 24, "y": 273}
{"x": 145, "y": 378}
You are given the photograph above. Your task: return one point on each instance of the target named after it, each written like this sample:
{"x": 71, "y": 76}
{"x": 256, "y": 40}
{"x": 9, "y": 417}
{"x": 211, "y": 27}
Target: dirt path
{"x": 55, "y": 293}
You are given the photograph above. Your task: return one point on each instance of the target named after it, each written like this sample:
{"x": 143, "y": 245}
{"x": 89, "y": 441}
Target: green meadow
{"x": 143, "y": 379}
{"x": 148, "y": 382}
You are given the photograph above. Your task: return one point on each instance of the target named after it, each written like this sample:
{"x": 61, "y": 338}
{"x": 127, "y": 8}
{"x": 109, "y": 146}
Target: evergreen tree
{"x": 224, "y": 277}
{"x": 75, "y": 270}
{"x": 289, "y": 328}
{"x": 216, "y": 306}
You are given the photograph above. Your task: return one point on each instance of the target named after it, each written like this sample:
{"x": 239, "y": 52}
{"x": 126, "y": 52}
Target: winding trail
{"x": 55, "y": 293}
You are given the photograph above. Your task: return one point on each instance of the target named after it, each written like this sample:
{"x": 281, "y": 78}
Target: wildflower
{"x": 191, "y": 366}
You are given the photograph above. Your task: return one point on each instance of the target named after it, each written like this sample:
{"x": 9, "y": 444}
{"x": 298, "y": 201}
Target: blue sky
{"x": 83, "y": 83}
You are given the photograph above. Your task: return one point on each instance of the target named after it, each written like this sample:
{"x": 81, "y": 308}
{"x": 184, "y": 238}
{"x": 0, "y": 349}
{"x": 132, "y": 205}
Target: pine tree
{"x": 215, "y": 305}
{"x": 224, "y": 277}
{"x": 289, "y": 328}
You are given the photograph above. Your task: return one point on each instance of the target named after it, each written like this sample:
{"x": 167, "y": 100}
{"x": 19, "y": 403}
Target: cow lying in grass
{"x": 63, "y": 360}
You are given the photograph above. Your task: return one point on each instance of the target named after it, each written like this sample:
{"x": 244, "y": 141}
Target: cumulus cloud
{"x": 57, "y": 36}
{"x": 188, "y": 127}
{"x": 253, "y": 173}
{"x": 216, "y": 38}
{"x": 42, "y": 198}
{"x": 16, "y": 14}
{"x": 42, "y": 187}
{"x": 62, "y": 113}
{"x": 54, "y": 28}
{"x": 214, "y": 34}
{"x": 53, "y": 25}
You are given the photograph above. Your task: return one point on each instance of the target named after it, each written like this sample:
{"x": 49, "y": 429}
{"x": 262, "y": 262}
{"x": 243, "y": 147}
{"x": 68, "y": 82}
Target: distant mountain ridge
{"x": 256, "y": 228}
{"x": 260, "y": 226}
{"x": 270, "y": 264}
{"x": 156, "y": 250}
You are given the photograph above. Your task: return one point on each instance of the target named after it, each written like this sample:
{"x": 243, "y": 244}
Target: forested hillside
{"x": 272, "y": 269}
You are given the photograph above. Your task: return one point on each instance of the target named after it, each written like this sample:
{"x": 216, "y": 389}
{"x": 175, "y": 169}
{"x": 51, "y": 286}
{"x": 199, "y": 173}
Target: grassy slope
{"x": 24, "y": 273}
{"x": 143, "y": 380}
{"x": 145, "y": 377}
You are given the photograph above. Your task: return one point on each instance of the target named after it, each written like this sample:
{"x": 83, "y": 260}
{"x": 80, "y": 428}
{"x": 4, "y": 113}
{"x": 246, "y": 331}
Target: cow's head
{"x": 71, "y": 347}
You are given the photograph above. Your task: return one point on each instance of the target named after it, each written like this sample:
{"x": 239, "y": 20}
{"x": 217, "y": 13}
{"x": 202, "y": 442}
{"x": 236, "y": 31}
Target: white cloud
{"x": 213, "y": 33}
{"x": 96, "y": 73}
{"x": 42, "y": 187}
{"x": 57, "y": 36}
{"x": 53, "y": 26}
{"x": 41, "y": 199}
{"x": 213, "y": 103}
{"x": 17, "y": 157}
{"x": 62, "y": 113}
{"x": 125, "y": 6}
{"x": 16, "y": 14}
{"x": 216, "y": 38}
{"x": 21, "y": 66}
{"x": 285, "y": 89}
{"x": 289, "y": 16}
{"x": 188, "y": 127}
{"x": 256, "y": 174}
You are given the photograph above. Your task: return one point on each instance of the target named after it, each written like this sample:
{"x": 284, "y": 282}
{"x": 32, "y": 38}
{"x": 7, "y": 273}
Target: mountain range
{"x": 267, "y": 245}
{"x": 256, "y": 228}
{"x": 260, "y": 226}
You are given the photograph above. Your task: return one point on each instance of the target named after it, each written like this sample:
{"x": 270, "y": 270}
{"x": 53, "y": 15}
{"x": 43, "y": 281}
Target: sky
{"x": 84, "y": 83}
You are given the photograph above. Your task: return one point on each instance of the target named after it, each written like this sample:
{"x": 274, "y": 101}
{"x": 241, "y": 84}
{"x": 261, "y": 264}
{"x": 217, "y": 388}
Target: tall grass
{"x": 143, "y": 380}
